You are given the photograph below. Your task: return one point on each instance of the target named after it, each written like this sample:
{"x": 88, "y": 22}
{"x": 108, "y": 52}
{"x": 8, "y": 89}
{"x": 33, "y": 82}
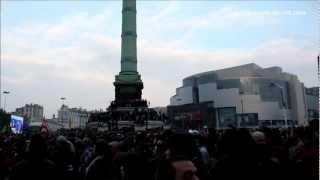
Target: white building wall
{"x": 33, "y": 112}
{"x": 221, "y": 97}
{"x": 173, "y": 100}
{"x": 73, "y": 117}
{"x": 272, "y": 72}
{"x": 300, "y": 104}
{"x": 207, "y": 92}
{"x": 267, "y": 110}
{"x": 183, "y": 96}
{"x": 227, "y": 98}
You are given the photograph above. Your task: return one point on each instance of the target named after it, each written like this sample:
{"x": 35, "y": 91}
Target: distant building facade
{"x": 54, "y": 124}
{"x": 72, "y": 117}
{"x": 246, "y": 96}
{"x": 33, "y": 112}
{"x": 160, "y": 110}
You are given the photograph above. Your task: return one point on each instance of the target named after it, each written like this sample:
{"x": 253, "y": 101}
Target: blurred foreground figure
{"x": 100, "y": 168}
{"x": 244, "y": 156}
{"x": 35, "y": 166}
{"x": 65, "y": 158}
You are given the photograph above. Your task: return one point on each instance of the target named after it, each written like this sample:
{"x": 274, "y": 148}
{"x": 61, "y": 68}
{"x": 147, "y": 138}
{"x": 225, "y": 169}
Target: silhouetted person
{"x": 35, "y": 166}
{"x": 308, "y": 158}
{"x": 87, "y": 155}
{"x": 138, "y": 164}
{"x": 101, "y": 167}
{"x": 183, "y": 144}
{"x": 243, "y": 157}
{"x": 64, "y": 158}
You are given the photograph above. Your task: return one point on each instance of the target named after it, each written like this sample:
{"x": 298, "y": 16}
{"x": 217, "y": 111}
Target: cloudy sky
{"x": 53, "y": 49}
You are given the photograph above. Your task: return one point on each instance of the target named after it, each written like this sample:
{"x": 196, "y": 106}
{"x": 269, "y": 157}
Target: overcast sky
{"x": 71, "y": 49}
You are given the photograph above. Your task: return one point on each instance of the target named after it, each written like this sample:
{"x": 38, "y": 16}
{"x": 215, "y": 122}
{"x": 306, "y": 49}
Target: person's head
{"x": 184, "y": 170}
{"x": 115, "y": 147}
{"x": 103, "y": 149}
{"x": 182, "y": 144}
{"x": 177, "y": 168}
{"x": 87, "y": 142}
{"x": 38, "y": 147}
{"x": 259, "y": 138}
{"x": 64, "y": 148}
{"x": 235, "y": 141}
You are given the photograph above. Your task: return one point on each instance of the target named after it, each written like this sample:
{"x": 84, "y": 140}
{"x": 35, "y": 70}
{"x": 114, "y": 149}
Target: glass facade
{"x": 248, "y": 119}
{"x": 247, "y": 86}
{"x": 189, "y": 81}
{"x": 228, "y": 83}
{"x": 313, "y": 114}
{"x": 269, "y": 90}
{"x": 227, "y": 117}
{"x": 207, "y": 78}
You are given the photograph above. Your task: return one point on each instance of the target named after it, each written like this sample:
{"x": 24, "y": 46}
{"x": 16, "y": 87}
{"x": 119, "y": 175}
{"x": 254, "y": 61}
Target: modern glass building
{"x": 247, "y": 96}
{"x": 312, "y": 95}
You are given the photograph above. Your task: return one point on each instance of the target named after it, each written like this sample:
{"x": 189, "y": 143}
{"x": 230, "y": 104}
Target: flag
{"x": 44, "y": 125}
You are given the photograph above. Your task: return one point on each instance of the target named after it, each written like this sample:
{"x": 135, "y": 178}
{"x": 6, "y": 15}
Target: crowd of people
{"x": 161, "y": 155}
{"x": 139, "y": 117}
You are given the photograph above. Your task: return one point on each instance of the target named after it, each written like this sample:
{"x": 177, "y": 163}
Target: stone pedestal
{"x": 128, "y": 91}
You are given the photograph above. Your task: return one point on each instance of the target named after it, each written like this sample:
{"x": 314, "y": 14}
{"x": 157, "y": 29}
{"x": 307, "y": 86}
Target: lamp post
{"x": 5, "y": 99}
{"x": 62, "y": 114}
{"x": 284, "y": 110}
{"x": 242, "y": 118}
{"x": 63, "y": 100}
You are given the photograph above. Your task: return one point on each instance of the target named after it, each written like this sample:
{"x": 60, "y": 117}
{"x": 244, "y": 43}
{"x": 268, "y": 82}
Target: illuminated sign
{"x": 16, "y": 124}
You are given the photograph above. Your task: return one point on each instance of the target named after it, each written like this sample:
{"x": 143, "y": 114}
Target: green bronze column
{"x": 129, "y": 38}
{"x": 128, "y": 84}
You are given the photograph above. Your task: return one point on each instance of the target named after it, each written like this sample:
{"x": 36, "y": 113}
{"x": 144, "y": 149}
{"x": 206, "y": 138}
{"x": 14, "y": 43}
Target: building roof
{"x": 246, "y": 70}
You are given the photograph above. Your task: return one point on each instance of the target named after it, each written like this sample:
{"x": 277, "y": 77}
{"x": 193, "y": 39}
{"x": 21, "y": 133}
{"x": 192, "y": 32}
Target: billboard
{"x": 16, "y": 124}
{"x": 195, "y": 115}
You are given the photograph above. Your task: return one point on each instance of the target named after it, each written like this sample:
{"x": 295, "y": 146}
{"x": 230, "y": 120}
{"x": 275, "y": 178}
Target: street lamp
{"x": 284, "y": 110}
{"x": 242, "y": 115}
{"x": 62, "y": 99}
{"x": 5, "y": 99}
{"x": 61, "y": 115}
